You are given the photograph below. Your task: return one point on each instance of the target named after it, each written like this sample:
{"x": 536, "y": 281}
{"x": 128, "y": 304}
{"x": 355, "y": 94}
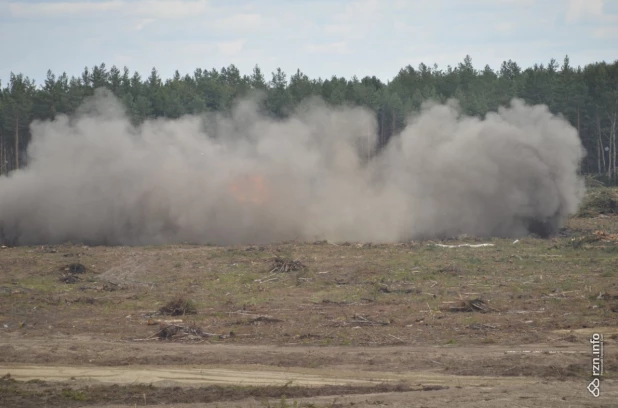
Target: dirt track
{"x": 419, "y": 367}
{"x": 166, "y": 376}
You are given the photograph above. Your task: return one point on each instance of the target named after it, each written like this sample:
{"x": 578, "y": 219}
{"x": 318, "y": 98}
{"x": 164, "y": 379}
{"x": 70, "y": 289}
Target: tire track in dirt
{"x": 262, "y": 376}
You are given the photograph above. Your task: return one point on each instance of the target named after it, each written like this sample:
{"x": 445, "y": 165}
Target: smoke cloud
{"x": 243, "y": 178}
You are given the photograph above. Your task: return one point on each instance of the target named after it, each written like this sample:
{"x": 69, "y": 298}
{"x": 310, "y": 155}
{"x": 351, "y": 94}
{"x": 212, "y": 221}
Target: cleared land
{"x": 316, "y": 324}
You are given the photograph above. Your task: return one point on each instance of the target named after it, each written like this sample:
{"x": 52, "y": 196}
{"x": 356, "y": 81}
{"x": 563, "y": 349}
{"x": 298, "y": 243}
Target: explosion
{"x": 250, "y": 188}
{"x": 98, "y": 179}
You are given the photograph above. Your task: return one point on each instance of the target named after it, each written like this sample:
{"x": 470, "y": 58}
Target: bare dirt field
{"x": 419, "y": 324}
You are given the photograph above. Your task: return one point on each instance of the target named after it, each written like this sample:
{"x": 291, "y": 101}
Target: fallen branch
{"x": 396, "y": 338}
{"x": 266, "y": 280}
{"x": 464, "y": 245}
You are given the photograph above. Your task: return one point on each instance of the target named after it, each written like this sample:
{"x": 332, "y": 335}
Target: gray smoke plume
{"x": 243, "y": 178}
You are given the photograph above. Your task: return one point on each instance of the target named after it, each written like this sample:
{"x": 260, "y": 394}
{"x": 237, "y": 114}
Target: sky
{"x": 321, "y": 38}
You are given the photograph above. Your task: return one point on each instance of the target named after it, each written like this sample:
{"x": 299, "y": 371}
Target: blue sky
{"x": 322, "y": 38}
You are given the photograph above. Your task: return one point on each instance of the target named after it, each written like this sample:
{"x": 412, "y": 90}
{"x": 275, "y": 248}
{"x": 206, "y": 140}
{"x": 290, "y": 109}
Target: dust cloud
{"x": 243, "y": 178}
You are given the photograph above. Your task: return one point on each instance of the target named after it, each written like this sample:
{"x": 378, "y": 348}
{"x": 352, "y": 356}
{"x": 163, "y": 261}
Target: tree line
{"x": 586, "y": 96}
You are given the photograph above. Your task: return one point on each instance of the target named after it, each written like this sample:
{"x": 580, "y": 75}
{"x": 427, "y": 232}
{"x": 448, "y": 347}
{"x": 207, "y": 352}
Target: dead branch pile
{"x": 180, "y": 332}
{"x": 474, "y": 305}
{"x": 286, "y": 265}
{"x": 179, "y": 307}
{"x": 599, "y": 201}
{"x": 596, "y": 237}
{"x": 264, "y": 319}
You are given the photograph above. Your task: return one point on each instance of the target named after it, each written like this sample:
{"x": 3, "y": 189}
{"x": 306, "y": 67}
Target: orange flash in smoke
{"x": 251, "y": 189}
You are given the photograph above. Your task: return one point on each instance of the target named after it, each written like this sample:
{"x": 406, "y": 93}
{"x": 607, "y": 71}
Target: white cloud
{"x": 140, "y": 8}
{"x": 123, "y": 60}
{"x": 50, "y": 9}
{"x": 375, "y": 37}
{"x": 238, "y": 20}
{"x": 230, "y": 48}
{"x": 355, "y": 21}
{"x": 339, "y": 47}
{"x": 606, "y": 32}
{"x": 519, "y": 3}
{"x": 239, "y": 23}
{"x": 364, "y": 9}
{"x": 580, "y": 9}
{"x": 504, "y": 26}
{"x": 338, "y": 29}
{"x": 142, "y": 23}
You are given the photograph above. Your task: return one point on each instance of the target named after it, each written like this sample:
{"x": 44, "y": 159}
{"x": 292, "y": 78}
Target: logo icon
{"x": 594, "y": 387}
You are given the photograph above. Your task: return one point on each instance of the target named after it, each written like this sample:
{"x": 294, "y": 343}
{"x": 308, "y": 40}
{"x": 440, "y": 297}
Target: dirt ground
{"x": 417, "y": 324}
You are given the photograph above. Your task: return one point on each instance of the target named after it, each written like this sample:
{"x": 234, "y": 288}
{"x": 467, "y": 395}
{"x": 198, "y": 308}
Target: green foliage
{"x": 73, "y": 395}
{"x": 587, "y": 97}
{"x": 599, "y": 200}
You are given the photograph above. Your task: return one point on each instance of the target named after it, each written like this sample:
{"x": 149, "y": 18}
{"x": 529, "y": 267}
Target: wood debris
{"x": 604, "y": 236}
{"x": 464, "y": 245}
{"x": 179, "y": 332}
{"x": 474, "y": 305}
{"x": 359, "y": 320}
{"x": 283, "y": 265}
{"x": 264, "y": 319}
{"x": 153, "y": 322}
{"x": 178, "y": 307}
